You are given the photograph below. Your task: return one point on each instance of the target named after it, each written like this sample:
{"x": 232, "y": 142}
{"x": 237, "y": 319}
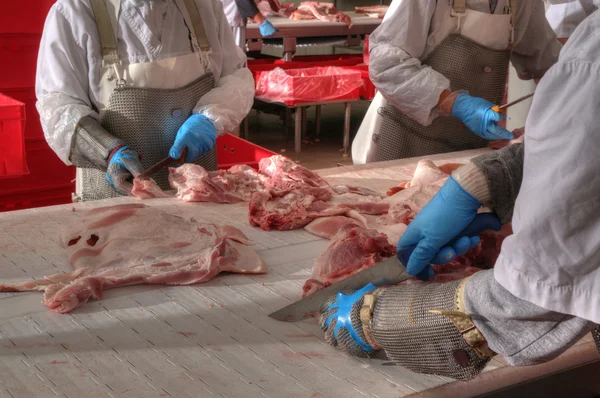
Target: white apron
{"x": 489, "y": 30}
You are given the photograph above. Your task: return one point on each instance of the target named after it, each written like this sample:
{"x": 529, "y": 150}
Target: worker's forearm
{"x": 446, "y": 102}
{"x": 503, "y": 172}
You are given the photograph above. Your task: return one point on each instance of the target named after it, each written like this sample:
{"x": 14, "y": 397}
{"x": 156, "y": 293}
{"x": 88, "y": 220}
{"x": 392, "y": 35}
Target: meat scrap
{"x": 195, "y": 184}
{"x": 321, "y": 11}
{"x": 274, "y": 7}
{"x": 134, "y": 244}
{"x": 372, "y": 11}
{"x": 350, "y": 251}
{"x": 146, "y": 189}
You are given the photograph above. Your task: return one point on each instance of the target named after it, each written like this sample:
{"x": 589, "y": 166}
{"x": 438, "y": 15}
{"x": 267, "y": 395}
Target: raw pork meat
{"x": 328, "y": 227}
{"x": 195, "y": 184}
{"x": 296, "y": 208}
{"x": 519, "y": 138}
{"x": 426, "y": 173}
{"x": 147, "y": 189}
{"x": 285, "y": 174}
{"x": 274, "y": 7}
{"x": 322, "y": 11}
{"x": 372, "y": 11}
{"x": 352, "y": 250}
{"x": 134, "y": 244}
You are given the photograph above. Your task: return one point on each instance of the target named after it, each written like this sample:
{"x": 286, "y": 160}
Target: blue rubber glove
{"x": 336, "y": 321}
{"x": 267, "y": 29}
{"x": 450, "y": 211}
{"x": 477, "y": 115}
{"x": 198, "y": 135}
{"x": 122, "y": 167}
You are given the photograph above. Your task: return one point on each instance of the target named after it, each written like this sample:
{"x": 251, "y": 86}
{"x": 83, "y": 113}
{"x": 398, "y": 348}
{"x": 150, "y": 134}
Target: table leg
{"x": 298, "y": 132}
{"x": 347, "y": 129}
{"x": 246, "y": 128}
{"x": 318, "y": 122}
{"x": 304, "y": 121}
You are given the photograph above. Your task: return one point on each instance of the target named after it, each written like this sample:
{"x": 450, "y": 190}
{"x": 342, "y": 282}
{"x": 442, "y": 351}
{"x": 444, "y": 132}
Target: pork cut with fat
{"x": 321, "y": 11}
{"x": 274, "y": 7}
{"x": 195, "y": 184}
{"x": 350, "y": 251}
{"x": 147, "y": 189}
{"x": 296, "y": 208}
{"x": 134, "y": 244}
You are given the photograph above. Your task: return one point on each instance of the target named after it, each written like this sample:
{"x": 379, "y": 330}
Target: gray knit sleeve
{"x": 504, "y": 172}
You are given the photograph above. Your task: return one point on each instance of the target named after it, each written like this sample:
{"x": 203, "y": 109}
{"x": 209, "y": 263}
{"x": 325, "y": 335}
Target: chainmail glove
{"x": 123, "y": 166}
{"x": 340, "y": 320}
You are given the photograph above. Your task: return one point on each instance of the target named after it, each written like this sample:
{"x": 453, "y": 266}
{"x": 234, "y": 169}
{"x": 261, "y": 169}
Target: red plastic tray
{"x": 49, "y": 181}
{"x": 18, "y": 57}
{"x": 12, "y": 142}
{"x": 257, "y": 69}
{"x": 302, "y": 86}
{"x": 232, "y": 150}
{"x": 23, "y": 17}
{"x": 33, "y": 127}
{"x": 368, "y": 90}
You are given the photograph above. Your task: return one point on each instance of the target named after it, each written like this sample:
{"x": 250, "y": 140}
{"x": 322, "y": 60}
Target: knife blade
{"x": 149, "y": 172}
{"x": 385, "y": 273}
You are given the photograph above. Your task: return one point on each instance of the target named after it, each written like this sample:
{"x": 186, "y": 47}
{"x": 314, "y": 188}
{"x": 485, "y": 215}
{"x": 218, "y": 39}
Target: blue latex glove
{"x": 477, "y": 115}
{"x": 267, "y": 29}
{"x": 442, "y": 220}
{"x": 123, "y": 166}
{"x": 341, "y": 311}
{"x": 198, "y": 135}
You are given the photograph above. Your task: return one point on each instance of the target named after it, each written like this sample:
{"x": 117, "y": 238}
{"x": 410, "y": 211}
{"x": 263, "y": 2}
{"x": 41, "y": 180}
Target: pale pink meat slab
{"x": 134, "y": 244}
{"x": 147, "y": 189}
{"x": 194, "y": 184}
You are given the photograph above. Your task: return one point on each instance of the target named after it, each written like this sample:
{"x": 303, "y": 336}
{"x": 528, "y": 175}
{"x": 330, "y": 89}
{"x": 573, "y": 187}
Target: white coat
{"x": 70, "y": 63}
{"x": 412, "y": 29}
{"x": 564, "y": 18}
{"x": 553, "y": 258}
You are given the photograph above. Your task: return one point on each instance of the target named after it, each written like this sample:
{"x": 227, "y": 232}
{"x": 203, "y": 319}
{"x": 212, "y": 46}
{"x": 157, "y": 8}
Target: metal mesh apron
{"x": 469, "y": 66}
{"x": 596, "y": 335}
{"x": 148, "y": 121}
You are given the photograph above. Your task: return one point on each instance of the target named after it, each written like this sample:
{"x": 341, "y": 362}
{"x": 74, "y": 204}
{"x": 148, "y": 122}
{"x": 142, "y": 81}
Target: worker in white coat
{"x": 238, "y": 12}
{"x": 122, "y": 84}
{"x": 565, "y": 16}
{"x": 439, "y": 66}
{"x": 542, "y": 295}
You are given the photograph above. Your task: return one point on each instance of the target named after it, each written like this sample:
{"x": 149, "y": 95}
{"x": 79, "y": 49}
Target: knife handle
{"x": 497, "y": 108}
{"x": 481, "y": 222}
{"x": 181, "y": 159}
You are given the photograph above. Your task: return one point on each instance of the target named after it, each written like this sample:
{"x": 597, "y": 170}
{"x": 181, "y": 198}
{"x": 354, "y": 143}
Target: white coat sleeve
{"x": 230, "y": 101}
{"x": 61, "y": 83}
{"x": 539, "y": 48}
{"x": 395, "y": 67}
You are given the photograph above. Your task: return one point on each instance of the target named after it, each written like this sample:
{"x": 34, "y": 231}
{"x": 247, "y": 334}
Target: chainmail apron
{"x": 469, "y": 66}
{"x": 147, "y": 119}
{"x": 596, "y": 335}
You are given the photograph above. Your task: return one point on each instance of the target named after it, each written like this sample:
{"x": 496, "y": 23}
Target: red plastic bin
{"x": 18, "y": 57}
{"x": 368, "y": 90}
{"x": 49, "y": 182}
{"x": 315, "y": 61}
{"x": 24, "y": 17}
{"x": 232, "y": 150}
{"x": 297, "y": 86}
{"x": 33, "y": 127}
{"x": 12, "y": 141}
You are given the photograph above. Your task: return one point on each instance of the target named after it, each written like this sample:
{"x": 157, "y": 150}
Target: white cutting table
{"x": 212, "y": 339}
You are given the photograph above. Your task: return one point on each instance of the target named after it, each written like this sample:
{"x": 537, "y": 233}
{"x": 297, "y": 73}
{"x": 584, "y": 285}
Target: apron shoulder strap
{"x": 108, "y": 41}
{"x": 197, "y": 24}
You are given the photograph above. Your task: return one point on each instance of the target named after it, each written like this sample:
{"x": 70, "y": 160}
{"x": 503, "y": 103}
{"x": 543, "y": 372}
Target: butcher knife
{"x": 149, "y": 172}
{"x": 502, "y": 108}
{"x": 386, "y": 273}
